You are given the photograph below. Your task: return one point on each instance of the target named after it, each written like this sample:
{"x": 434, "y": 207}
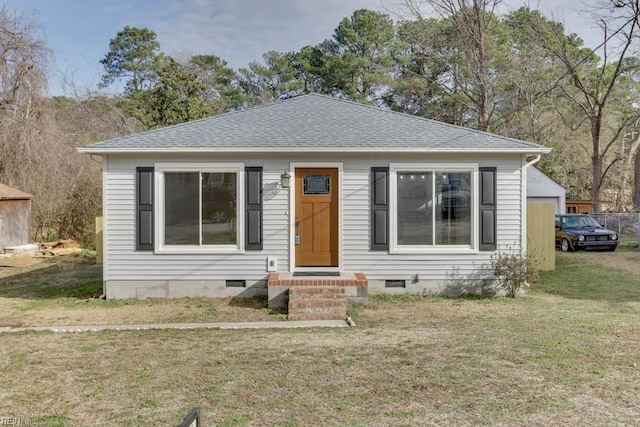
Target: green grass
{"x": 51, "y": 420}
{"x": 628, "y": 245}
{"x": 573, "y": 279}
{"x": 72, "y": 278}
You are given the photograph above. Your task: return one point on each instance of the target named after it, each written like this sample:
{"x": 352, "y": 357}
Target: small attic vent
{"x": 394, "y": 284}
{"x": 236, "y": 284}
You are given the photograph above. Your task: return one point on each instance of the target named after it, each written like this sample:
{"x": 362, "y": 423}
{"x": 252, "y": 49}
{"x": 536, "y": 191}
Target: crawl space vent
{"x": 394, "y": 284}
{"x": 236, "y": 283}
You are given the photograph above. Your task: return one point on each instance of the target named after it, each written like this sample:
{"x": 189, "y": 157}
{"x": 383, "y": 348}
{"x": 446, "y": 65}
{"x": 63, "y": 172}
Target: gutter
{"x": 302, "y": 149}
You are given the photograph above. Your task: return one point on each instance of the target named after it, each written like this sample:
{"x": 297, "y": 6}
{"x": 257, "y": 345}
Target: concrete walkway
{"x": 220, "y": 325}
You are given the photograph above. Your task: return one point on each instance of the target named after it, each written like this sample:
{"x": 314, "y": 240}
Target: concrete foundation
{"x": 142, "y": 289}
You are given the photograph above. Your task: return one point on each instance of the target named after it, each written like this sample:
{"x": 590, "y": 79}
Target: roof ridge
{"x": 457, "y": 127}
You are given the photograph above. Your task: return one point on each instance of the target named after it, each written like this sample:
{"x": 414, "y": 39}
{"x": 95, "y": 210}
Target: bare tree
{"x": 39, "y": 135}
{"x": 632, "y": 163}
{"x": 595, "y": 88}
{"x": 626, "y": 13}
{"x": 473, "y": 75}
{"x": 23, "y": 60}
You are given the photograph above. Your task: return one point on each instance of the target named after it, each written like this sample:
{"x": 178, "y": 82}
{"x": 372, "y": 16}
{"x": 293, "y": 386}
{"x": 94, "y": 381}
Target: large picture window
{"x": 200, "y": 207}
{"x": 432, "y": 207}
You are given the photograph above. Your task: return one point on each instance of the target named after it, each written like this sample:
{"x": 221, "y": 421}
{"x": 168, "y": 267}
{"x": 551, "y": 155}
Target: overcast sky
{"x": 238, "y": 31}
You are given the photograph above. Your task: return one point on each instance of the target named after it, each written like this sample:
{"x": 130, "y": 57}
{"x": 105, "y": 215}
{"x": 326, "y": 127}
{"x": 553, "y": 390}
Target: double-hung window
{"x": 432, "y": 207}
{"x": 200, "y": 207}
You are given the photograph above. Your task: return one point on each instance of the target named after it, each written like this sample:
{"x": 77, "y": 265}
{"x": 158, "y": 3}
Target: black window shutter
{"x": 253, "y": 194}
{"x": 144, "y": 208}
{"x": 487, "y": 208}
{"x": 379, "y": 208}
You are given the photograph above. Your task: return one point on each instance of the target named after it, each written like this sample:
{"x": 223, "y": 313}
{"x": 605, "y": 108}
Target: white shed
{"x": 542, "y": 189}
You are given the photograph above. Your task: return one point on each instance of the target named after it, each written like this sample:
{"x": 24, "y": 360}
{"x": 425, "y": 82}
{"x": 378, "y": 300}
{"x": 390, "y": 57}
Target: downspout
{"x": 102, "y": 164}
{"x": 523, "y": 226}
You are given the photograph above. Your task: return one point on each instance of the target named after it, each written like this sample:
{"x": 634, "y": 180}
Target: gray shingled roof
{"x": 313, "y": 123}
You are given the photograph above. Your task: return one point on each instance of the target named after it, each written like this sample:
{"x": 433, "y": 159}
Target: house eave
{"x": 198, "y": 150}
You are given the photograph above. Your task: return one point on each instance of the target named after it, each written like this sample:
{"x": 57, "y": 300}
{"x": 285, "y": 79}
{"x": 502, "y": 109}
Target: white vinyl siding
{"x": 125, "y": 263}
{"x": 380, "y": 265}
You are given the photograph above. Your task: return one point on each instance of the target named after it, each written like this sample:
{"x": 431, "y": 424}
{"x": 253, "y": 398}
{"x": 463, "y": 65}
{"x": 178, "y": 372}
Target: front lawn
{"x": 566, "y": 353}
{"x": 67, "y": 293}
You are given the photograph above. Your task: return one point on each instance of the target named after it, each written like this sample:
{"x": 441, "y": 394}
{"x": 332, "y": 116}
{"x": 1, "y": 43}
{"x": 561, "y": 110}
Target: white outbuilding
{"x": 542, "y": 189}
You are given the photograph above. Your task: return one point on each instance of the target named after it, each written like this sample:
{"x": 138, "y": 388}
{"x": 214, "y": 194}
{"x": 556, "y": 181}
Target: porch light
{"x": 284, "y": 179}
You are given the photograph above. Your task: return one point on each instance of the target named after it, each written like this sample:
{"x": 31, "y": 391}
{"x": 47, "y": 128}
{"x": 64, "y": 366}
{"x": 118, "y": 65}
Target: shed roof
{"x": 10, "y": 193}
{"x": 313, "y": 123}
{"x": 540, "y": 184}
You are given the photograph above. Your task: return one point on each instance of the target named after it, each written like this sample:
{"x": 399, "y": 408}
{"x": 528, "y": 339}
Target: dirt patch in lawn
{"x": 13, "y": 266}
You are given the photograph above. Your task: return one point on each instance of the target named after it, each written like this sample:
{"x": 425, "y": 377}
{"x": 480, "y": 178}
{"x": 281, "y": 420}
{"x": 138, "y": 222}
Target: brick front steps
{"x": 316, "y": 297}
{"x": 317, "y": 303}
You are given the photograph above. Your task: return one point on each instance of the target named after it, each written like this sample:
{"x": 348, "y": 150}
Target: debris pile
{"x": 60, "y": 248}
{"x": 19, "y": 250}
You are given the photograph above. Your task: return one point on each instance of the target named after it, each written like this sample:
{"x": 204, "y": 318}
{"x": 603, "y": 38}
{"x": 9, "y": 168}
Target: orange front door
{"x": 316, "y": 217}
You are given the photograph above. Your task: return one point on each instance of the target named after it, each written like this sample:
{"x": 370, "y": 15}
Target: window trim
{"x": 394, "y": 247}
{"x": 159, "y": 211}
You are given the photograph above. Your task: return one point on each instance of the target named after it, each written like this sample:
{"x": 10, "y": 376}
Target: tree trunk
{"x": 480, "y": 46}
{"x": 596, "y": 183}
{"x": 636, "y": 182}
{"x": 596, "y": 161}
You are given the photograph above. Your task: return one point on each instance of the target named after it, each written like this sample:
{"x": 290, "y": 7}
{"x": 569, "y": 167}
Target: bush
{"x": 77, "y": 219}
{"x": 514, "y": 272}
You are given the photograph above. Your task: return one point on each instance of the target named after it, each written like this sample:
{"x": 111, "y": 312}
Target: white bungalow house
{"x": 314, "y": 185}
